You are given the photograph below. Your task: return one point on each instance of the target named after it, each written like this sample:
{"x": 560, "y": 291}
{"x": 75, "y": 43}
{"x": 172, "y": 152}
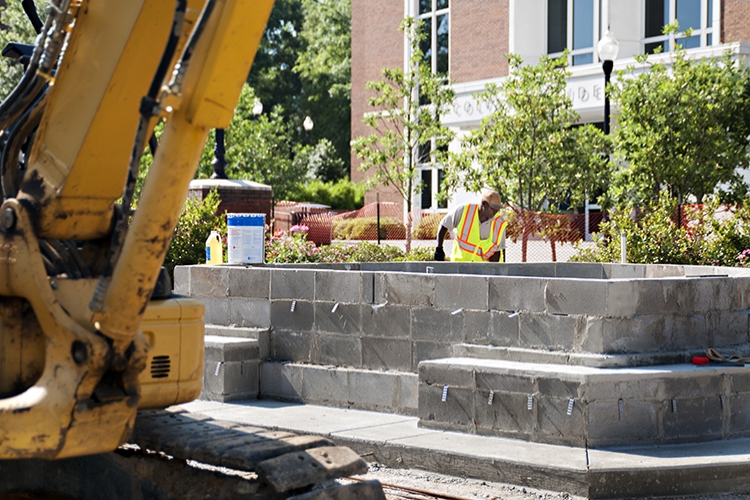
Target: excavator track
{"x": 287, "y": 465}
{"x": 174, "y": 454}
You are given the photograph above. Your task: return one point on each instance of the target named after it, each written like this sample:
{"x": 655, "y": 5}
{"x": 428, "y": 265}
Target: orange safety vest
{"x": 469, "y": 246}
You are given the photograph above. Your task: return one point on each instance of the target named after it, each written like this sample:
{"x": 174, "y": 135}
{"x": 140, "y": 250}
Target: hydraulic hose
{"x": 30, "y": 9}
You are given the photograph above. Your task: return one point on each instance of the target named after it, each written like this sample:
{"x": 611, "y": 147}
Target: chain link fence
{"x": 530, "y": 237}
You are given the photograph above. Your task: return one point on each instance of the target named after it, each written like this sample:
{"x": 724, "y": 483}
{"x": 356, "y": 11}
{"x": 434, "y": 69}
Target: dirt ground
{"x": 400, "y": 484}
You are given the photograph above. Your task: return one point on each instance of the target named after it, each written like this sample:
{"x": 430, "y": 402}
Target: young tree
{"x": 683, "y": 128}
{"x": 528, "y": 148}
{"x": 407, "y": 107}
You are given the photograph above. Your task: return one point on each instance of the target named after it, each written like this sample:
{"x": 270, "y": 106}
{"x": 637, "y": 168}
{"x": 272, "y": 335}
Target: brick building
{"x": 469, "y": 40}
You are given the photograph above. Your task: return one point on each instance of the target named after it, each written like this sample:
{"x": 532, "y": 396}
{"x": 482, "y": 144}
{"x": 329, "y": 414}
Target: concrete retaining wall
{"x": 589, "y": 314}
{"x": 583, "y": 406}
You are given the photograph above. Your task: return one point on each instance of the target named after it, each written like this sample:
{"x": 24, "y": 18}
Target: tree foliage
{"x": 325, "y": 70}
{"x": 259, "y": 149}
{"x": 683, "y": 127}
{"x": 407, "y": 106}
{"x": 17, "y": 28}
{"x": 528, "y": 147}
{"x": 302, "y": 68}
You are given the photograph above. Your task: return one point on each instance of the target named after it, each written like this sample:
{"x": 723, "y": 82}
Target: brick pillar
{"x": 237, "y": 197}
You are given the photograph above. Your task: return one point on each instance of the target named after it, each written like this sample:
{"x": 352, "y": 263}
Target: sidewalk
{"x": 397, "y": 441}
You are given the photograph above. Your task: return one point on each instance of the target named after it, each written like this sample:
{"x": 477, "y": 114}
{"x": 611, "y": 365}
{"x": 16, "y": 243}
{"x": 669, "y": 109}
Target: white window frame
{"x": 597, "y": 33}
{"x": 434, "y": 168}
{"x": 433, "y": 15}
{"x": 703, "y": 31}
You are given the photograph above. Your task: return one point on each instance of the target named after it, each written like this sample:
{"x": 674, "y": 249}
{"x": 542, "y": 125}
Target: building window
{"x": 575, "y": 25}
{"x": 689, "y": 14}
{"x": 435, "y": 17}
{"x": 431, "y": 175}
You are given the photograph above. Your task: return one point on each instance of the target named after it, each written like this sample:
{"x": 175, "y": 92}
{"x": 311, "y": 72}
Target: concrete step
{"x": 231, "y": 369}
{"x": 585, "y": 406}
{"x": 259, "y": 334}
{"x": 376, "y": 390}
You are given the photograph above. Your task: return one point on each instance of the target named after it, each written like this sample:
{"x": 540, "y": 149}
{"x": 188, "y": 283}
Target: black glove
{"x": 439, "y": 254}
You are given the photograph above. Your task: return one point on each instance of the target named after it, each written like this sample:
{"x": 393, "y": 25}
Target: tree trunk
{"x": 408, "y": 232}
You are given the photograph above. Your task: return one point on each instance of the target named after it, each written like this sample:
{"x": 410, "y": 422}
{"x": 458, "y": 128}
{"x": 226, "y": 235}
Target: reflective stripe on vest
{"x": 468, "y": 240}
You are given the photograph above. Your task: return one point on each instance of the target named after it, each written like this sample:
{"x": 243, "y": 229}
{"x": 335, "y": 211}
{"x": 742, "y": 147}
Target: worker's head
{"x": 490, "y": 204}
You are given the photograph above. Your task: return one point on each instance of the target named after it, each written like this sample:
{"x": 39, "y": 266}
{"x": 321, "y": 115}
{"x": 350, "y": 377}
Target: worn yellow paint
{"x": 76, "y": 172}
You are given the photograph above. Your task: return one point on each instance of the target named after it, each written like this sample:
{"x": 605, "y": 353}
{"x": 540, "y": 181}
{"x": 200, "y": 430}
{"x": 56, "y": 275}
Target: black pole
{"x": 378, "y": 210}
{"x": 607, "y": 67}
{"x": 219, "y": 164}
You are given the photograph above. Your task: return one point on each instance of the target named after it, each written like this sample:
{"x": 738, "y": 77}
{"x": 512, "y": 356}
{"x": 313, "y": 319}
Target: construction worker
{"x": 480, "y": 231}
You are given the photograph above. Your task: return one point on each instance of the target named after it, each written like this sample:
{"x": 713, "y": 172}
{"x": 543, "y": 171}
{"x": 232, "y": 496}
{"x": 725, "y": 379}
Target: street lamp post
{"x": 219, "y": 163}
{"x": 607, "y": 48}
{"x": 308, "y": 125}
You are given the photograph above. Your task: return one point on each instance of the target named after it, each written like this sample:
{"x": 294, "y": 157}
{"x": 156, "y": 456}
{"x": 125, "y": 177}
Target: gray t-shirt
{"x": 452, "y": 219}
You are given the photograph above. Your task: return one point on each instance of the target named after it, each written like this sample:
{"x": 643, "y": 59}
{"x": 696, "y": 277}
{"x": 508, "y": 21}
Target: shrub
{"x": 709, "y": 236}
{"x": 366, "y": 228}
{"x": 366, "y": 251}
{"x": 340, "y": 195}
{"x": 292, "y": 247}
{"x": 427, "y": 226}
{"x": 197, "y": 220}
{"x": 421, "y": 254}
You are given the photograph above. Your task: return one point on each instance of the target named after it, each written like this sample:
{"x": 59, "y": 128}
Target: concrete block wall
{"x": 231, "y": 369}
{"x": 583, "y": 406}
{"x": 361, "y": 317}
{"x": 390, "y": 392}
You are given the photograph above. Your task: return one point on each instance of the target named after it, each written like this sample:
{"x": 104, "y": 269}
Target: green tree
{"x": 273, "y": 74}
{"x": 260, "y": 149}
{"x": 683, "y": 127}
{"x": 324, "y": 66}
{"x": 17, "y": 28}
{"x": 528, "y": 147}
{"x": 197, "y": 220}
{"x": 407, "y": 107}
{"x": 321, "y": 161}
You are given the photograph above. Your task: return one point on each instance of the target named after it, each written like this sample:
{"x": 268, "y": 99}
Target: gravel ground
{"x": 472, "y": 489}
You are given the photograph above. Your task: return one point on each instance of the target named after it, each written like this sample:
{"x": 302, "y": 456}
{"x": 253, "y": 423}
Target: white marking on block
{"x": 571, "y": 402}
{"x": 218, "y": 367}
{"x": 445, "y": 394}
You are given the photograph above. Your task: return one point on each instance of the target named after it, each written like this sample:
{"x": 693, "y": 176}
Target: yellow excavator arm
{"x": 77, "y": 267}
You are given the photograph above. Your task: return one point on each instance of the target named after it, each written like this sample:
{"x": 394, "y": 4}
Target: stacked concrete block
{"x": 231, "y": 369}
{"x": 584, "y": 406}
{"x": 352, "y": 334}
{"x": 597, "y": 314}
{"x": 392, "y": 392}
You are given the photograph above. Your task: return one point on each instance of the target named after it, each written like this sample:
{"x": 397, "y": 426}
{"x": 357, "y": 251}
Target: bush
{"x": 366, "y": 251}
{"x": 291, "y": 248}
{"x": 421, "y": 254}
{"x": 366, "y": 228}
{"x": 340, "y": 195}
{"x": 708, "y": 236}
{"x": 427, "y": 227}
{"x": 197, "y": 220}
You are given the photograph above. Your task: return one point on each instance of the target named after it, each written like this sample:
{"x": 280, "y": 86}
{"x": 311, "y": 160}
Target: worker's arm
{"x": 439, "y": 252}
